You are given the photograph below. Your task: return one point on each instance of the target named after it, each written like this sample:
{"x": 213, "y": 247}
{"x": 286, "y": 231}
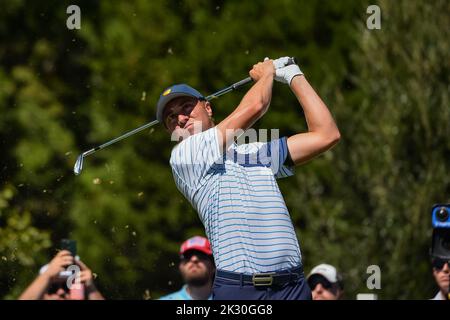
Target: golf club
{"x": 79, "y": 163}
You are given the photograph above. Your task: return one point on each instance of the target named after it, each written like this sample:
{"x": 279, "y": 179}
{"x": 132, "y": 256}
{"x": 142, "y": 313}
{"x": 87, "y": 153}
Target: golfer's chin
{"x": 193, "y": 128}
{"x": 190, "y": 128}
{"x": 180, "y": 134}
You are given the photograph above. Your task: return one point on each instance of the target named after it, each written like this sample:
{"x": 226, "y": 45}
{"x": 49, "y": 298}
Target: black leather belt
{"x": 263, "y": 279}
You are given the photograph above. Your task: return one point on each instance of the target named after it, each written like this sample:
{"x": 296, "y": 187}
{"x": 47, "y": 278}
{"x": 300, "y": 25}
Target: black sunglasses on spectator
{"x": 185, "y": 257}
{"x": 438, "y": 264}
{"x": 314, "y": 280}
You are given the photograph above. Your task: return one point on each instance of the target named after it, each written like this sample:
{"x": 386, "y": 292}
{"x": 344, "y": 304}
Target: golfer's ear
{"x": 208, "y": 108}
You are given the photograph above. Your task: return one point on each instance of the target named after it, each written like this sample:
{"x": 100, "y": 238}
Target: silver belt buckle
{"x": 262, "y": 279}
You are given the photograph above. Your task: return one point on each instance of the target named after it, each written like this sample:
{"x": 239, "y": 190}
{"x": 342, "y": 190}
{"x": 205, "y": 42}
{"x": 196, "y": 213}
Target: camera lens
{"x": 442, "y": 214}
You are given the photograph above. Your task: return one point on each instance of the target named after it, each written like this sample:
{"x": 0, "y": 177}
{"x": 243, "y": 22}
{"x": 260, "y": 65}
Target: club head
{"x": 78, "y": 165}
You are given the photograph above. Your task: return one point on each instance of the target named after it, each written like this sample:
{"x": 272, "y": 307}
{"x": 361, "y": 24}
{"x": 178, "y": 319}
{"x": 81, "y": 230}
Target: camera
{"x": 440, "y": 220}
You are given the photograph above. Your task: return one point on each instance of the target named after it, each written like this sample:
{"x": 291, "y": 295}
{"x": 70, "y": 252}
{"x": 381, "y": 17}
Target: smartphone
{"x": 69, "y": 245}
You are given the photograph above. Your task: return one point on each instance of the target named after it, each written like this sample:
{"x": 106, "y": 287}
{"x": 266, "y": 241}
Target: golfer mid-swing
{"x": 233, "y": 188}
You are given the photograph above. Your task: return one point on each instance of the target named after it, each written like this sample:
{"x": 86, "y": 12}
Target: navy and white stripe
{"x": 238, "y": 201}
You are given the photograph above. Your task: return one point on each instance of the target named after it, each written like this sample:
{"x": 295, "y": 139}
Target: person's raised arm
{"x": 322, "y": 130}
{"x": 39, "y": 286}
{"x": 254, "y": 104}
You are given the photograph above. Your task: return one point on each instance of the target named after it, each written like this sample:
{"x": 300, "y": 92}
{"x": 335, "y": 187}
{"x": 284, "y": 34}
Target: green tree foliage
{"x": 21, "y": 244}
{"x": 63, "y": 91}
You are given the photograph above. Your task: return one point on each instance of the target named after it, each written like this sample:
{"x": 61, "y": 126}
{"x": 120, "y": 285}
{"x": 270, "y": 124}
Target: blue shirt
{"x": 182, "y": 294}
{"x": 238, "y": 201}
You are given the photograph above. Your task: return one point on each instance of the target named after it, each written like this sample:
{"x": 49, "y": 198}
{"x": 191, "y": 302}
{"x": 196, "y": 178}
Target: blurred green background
{"x": 64, "y": 91}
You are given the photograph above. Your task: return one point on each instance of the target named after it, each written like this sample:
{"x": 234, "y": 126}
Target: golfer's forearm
{"x": 318, "y": 117}
{"x": 250, "y": 109}
{"x": 257, "y": 99}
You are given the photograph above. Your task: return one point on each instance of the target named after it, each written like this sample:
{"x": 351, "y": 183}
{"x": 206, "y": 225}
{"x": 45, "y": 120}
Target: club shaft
{"x": 125, "y": 135}
{"x": 234, "y": 86}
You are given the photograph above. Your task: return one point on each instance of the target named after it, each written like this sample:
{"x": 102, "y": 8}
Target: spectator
{"x": 441, "y": 273}
{"x": 51, "y": 283}
{"x": 197, "y": 269}
{"x": 325, "y": 283}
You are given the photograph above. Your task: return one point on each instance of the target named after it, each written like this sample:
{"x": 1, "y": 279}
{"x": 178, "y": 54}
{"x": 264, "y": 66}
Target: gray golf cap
{"x": 175, "y": 91}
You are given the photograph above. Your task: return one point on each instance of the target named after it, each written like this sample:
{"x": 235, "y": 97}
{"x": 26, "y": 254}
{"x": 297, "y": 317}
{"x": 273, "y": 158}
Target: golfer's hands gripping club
{"x": 262, "y": 69}
{"x": 285, "y": 70}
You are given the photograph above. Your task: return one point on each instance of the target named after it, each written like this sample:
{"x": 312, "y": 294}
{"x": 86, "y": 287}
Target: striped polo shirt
{"x": 238, "y": 201}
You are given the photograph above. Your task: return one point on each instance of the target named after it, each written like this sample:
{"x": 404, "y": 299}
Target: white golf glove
{"x": 284, "y": 73}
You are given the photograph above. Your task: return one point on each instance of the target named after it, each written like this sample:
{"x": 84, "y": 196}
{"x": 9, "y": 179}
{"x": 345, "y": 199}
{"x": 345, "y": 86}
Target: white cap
{"x": 327, "y": 271}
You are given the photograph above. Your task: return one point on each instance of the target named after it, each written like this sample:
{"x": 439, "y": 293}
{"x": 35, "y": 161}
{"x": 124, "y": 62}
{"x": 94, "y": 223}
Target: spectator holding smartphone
{"x": 52, "y": 284}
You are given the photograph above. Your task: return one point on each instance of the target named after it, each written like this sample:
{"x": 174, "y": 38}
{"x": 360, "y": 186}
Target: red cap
{"x": 196, "y": 243}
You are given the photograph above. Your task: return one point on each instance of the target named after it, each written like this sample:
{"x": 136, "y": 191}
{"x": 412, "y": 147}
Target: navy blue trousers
{"x": 225, "y": 289}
